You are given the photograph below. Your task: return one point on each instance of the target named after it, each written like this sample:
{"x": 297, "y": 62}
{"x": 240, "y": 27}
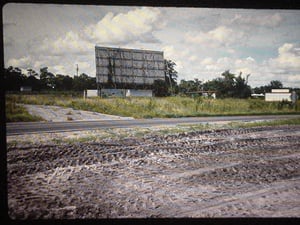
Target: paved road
{"x": 38, "y": 127}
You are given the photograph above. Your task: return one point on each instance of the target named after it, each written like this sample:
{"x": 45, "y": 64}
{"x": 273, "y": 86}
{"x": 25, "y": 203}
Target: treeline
{"x": 46, "y": 81}
{"x": 228, "y": 85}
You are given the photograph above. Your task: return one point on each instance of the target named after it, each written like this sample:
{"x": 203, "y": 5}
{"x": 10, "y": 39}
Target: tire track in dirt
{"x": 250, "y": 200}
{"x": 194, "y": 174}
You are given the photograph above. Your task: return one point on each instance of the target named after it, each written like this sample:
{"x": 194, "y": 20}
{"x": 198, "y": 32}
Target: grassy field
{"x": 139, "y": 107}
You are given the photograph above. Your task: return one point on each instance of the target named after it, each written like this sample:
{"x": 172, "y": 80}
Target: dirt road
{"x": 217, "y": 173}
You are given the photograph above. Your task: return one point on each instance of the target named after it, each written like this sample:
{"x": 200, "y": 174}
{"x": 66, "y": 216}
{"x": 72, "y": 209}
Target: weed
{"x": 18, "y": 113}
{"x": 294, "y": 121}
{"x": 174, "y": 106}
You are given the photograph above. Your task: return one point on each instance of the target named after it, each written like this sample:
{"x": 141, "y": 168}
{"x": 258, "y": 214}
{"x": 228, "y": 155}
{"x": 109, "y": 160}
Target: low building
{"x": 25, "y": 88}
{"x": 211, "y": 94}
{"x": 257, "y": 95}
{"x": 106, "y": 92}
{"x": 138, "y": 93}
{"x": 90, "y": 93}
{"x": 278, "y": 95}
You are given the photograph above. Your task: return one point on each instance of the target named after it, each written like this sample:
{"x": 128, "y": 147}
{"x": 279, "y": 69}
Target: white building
{"x": 278, "y": 95}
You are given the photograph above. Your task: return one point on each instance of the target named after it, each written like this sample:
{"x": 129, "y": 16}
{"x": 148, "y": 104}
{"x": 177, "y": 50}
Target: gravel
{"x": 60, "y": 114}
{"x": 250, "y": 172}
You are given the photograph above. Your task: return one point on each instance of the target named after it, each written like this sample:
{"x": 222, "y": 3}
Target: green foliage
{"x": 189, "y": 86}
{"x": 160, "y": 88}
{"x": 274, "y": 84}
{"x": 14, "y": 79}
{"x": 63, "y": 83}
{"x": 230, "y": 86}
{"x": 83, "y": 81}
{"x": 170, "y": 71}
{"x": 141, "y": 107}
{"x": 171, "y": 76}
{"x": 47, "y": 78}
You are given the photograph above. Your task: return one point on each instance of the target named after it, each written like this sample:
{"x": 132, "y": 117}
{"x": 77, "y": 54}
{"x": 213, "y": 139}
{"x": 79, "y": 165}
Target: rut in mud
{"x": 214, "y": 173}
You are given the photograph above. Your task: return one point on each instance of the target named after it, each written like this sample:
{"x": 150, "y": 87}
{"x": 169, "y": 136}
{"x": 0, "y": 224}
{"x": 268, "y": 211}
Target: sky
{"x": 203, "y": 42}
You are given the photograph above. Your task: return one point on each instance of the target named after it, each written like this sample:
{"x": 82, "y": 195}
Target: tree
{"x": 171, "y": 74}
{"x": 160, "y": 88}
{"x": 189, "y": 86}
{"x": 63, "y": 83}
{"x": 47, "y": 78}
{"x": 13, "y": 78}
{"x": 242, "y": 89}
{"x": 31, "y": 72}
{"x": 32, "y": 81}
{"x": 229, "y": 86}
{"x": 224, "y": 86}
{"x": 83, "y": 82}
{"x": 276, "y": 84}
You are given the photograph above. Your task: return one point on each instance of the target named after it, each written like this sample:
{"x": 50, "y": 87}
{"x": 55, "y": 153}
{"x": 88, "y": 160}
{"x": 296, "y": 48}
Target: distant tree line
{"x": 228, "y": 85}
{"x": 45, "y": 80}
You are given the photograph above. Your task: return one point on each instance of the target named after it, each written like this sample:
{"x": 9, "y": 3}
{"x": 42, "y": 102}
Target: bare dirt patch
{"x": 59, "y": 114}
{"x": 214, "y": 173}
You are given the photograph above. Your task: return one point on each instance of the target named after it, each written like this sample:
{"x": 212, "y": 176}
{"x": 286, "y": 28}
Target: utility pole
{"x": 77, "y": 70}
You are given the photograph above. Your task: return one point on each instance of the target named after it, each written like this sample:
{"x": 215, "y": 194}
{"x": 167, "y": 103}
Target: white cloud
{"x": 60, "y": 68}
{"x": 245, "y": 62}
{"x": 292, "y": 79}
{"x": 136, "y": 25}
{"x": 286, "y": 66}
{"x": 209, "y": 68}
{"x": 207, "y": 61}
{"x": 169, "y": 51}
{"x": 288, "y": 57}
{"x": 193, "y": 58}
{"x": 24, "y": 62}
{"x": 176, "y": 55}
{"x": 55, "y": 64}
{"x": 220, "y": 36}
{"x": 68, "y": 67}
{"x": 269, "y": 20}
{"x": 71, "y": 43}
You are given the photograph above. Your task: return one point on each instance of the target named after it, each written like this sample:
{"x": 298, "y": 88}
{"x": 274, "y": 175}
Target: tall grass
{"x": 17, "y": 113}
{"x": 142, "y": 107}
